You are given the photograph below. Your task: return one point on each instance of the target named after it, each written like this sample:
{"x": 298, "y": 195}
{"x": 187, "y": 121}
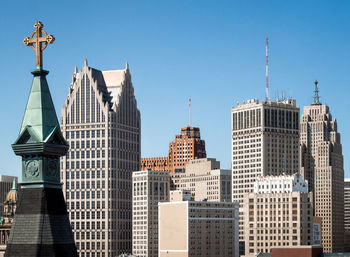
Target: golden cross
{"x": 38, "y": 40}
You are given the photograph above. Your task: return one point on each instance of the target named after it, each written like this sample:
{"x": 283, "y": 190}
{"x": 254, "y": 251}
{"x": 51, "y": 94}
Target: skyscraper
{"x": 265, "y": 141}
{"x": 347, "y": 214}
{"x": 185, "y": 147}
{"x": 101, "y": 122}
{"x": 322, "y": 166}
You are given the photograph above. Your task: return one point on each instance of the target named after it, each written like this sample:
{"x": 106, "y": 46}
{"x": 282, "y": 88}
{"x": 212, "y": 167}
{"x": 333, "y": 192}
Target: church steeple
{"x": 42, "y": 226}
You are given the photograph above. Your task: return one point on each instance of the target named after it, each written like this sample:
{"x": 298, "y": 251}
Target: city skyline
{"x": 220, "y": 42}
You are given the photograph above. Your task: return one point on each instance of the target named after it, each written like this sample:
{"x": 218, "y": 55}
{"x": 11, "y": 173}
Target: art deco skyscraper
{"x": 322, "y": 166}
{"x": 265, "y": 141}
{"x": 101, "y": 122}
{"x": 185, "y": 147}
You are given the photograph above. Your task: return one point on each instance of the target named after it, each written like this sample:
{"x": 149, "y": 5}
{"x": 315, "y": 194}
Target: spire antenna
{"x": 189, "y": 109}
{"x": 267, "y": 70}
{"x": 316, "y": 96}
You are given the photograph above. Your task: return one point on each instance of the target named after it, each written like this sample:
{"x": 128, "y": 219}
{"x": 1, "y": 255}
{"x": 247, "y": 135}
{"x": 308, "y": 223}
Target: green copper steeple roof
{"x": 40, "y": 112}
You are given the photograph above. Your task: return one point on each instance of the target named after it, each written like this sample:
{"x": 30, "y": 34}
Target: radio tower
{"x": 267, "y": 70}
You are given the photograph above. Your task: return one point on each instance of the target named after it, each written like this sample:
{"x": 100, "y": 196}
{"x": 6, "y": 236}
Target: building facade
{"x": 149, "y": 188}
{"x": 9, "y": 211}
{"x": 191, "y": 228}
{"x": 185, "y": 147}
{"x": 265, "y": 141}
{"x": 322, "y": 166}
{"x": 278, "y": 213}
{"x": 155, "y": 163}
{"x": 347, "y": 214}
{"x": 102, "y": 125}
{"x": 206, "y": 181}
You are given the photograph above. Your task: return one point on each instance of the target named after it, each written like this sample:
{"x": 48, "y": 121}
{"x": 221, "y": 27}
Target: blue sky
{"x": 211, "y": 51}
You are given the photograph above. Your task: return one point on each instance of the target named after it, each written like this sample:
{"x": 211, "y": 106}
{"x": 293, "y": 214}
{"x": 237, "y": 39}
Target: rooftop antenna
{"x": 267, "y": 70}
{"x": 189, "y": 107}
{"x": 316, "y": 97}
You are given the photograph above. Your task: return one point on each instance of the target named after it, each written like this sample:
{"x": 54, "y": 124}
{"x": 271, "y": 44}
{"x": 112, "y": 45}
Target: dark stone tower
{"x": 41, "y": 226}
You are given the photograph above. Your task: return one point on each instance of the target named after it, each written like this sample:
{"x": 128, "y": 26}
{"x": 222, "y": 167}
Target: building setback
{"x": 191, "y": 228}
{"x": 185, "y": 147}
{"x": 206, "y": 181}
{"x": 102, "y": 124}
{"x": 278, "y": 213}
{"x": 322, "y": 166}
{"x": 265, "y": 141}
{"x": 149, "y": 188}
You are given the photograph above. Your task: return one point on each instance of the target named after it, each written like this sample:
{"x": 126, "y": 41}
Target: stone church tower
{"x": 41, "y": 226}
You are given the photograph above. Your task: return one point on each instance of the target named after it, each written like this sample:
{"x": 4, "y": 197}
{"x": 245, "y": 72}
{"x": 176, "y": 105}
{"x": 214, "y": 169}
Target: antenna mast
{"x": 267, "y": 71}
{"x": 189, "y": 107}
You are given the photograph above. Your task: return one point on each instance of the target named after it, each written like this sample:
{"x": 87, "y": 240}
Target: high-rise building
{"x": 102, "y": 124}
{"x": 206, "y": 181}
{"x": 185, "y": 147}
{"x": 265, "y": 141}
{"x": 192, "y": 228}
{"x": 347, "y": 214}
{"x": 149, "y": 188}
{"x": 322, "y": 166}
{"x": 277, "y": 213}
{"x": 6, "y": 183}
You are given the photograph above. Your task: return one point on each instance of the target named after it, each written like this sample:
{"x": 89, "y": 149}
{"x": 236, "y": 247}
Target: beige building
{"x": 149, "y": 188}
{"x": 278, "y": 213}
{"x": 347, "y": 213}
{"x": 190, "y": 229}
{"x": 322, "y": 166}
{"x": 265, "y": 141}
{"x": 205, "y": 180}
{"x": 101, "y": 122}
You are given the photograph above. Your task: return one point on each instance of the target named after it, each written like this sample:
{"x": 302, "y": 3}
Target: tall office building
{"x": 278, "y": 213}
{"x": 265, "y": 141}
{"x": 149, "y": 188}
{"x": 206, "y": 181}
{"x": 322, "y": 166}
{"x": 347, "y": 213}
{"x": 101, "y": 122}
{"x": 185, "y": 147}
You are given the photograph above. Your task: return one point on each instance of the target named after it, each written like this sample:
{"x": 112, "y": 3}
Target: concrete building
{"x": 265, "y": 141}
{"x": 206, "y": 181}
{"x": 347, "y": 213}
{"x": 5, "y": 186}
{"x": 322, "y": 166}
{"x": 191, "y": 228}
{"x": 102, "y": 124}
{"x": 185, "y": 147}
{"x": 278, "y": 213}
{"x": 149, "y": 188}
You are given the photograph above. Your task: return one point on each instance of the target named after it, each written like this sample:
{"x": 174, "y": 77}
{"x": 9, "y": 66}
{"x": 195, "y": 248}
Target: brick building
{"x": 185, "y": 147}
